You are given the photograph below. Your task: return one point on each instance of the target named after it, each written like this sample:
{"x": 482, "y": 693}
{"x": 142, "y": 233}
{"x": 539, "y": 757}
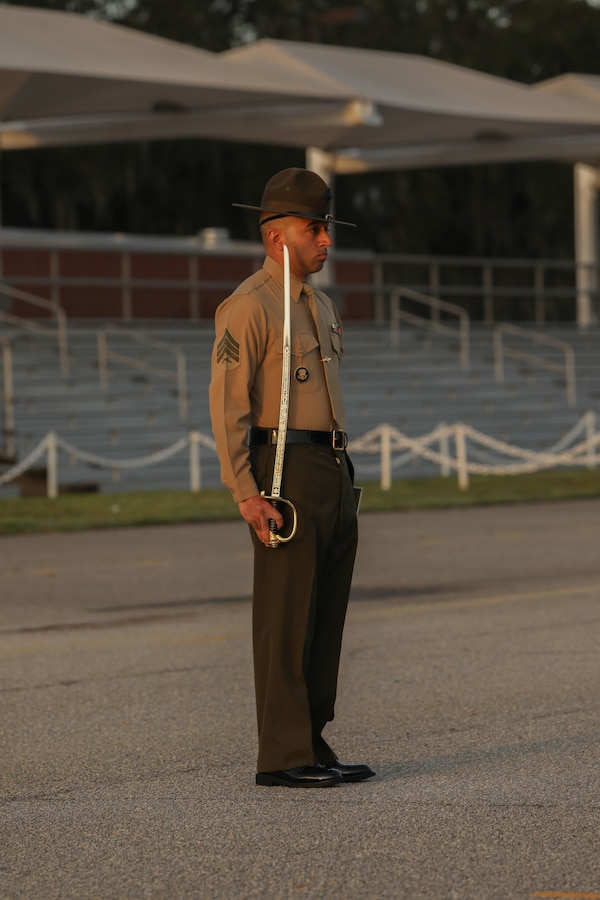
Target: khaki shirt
{"x": 246, "y": 368}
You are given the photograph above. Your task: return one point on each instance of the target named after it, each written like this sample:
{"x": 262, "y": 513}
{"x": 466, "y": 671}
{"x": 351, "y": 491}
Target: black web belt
{"x": 336, "y": 439}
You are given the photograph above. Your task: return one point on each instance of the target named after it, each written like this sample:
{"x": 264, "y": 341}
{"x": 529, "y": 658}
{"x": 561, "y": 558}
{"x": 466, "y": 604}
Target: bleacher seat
{"x": 413, "y": 387}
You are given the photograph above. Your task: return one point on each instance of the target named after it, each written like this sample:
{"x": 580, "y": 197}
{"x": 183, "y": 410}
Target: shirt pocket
{"x": 303, "y": 344}
{"x": 337, "y": 344}
{"x": 306, "y": 367}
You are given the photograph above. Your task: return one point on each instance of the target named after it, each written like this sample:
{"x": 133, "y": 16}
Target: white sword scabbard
{"x": 284, "y": 408}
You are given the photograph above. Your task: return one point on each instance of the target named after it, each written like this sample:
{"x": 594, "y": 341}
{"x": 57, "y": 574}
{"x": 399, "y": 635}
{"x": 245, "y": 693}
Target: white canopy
{"x": 66, "y": 79}
{"x": 429, "y": 112}
{"x": 572, "y": 86}
{"x": 585, "y": 88}
{"x": 433, "y": 113}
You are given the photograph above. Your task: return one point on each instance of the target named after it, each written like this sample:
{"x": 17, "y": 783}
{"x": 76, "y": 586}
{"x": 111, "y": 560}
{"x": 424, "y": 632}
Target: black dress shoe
{"x": 302, "y": 776}
{"x": 353, "y": 771}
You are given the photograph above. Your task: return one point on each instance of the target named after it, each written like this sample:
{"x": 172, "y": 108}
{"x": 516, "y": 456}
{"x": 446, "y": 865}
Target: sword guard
{"x": 275, "y": 539}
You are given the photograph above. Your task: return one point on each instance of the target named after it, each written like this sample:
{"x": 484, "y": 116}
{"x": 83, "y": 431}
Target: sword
{"x": 275, "y": 539}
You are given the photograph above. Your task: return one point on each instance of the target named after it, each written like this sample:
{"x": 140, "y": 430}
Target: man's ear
{"x": 275, "y": 239}
{"x": 275, "y": 235}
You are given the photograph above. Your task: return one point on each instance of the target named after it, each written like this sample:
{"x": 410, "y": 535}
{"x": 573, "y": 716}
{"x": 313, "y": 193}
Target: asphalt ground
{"x": 470, "y": 682}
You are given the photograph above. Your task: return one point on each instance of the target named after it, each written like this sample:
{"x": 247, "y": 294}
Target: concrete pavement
{"x": 469, "y": 681}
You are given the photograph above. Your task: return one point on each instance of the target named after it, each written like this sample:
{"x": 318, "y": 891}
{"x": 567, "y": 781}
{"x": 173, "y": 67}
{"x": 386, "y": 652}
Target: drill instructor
{"x": 301, "y": 588}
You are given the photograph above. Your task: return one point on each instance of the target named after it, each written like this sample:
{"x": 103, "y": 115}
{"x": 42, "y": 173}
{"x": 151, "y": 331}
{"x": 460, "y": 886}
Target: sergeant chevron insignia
{"x": 228, "y": 349}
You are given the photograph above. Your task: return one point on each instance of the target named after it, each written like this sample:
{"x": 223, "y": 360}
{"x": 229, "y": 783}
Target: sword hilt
{"x": 275, "y": 539}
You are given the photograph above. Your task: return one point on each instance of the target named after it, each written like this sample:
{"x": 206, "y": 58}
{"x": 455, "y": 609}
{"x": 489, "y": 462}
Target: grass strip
{"x": 77, "y": 512}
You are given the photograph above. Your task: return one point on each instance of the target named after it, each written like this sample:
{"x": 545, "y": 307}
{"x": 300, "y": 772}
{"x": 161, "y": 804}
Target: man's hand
{"x": 257, "y": 511}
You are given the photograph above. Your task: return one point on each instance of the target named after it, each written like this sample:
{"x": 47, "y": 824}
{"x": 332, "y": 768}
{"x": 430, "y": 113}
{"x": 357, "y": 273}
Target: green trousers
{"x": 299, "y": 606}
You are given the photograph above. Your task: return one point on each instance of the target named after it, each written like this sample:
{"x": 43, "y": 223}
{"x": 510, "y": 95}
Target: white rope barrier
{"x": 25, "y": 464}
{"x": 384, "y": 441}
{"x": 396, "y": 463}
{"x": 140, "y": 463}
{"x": 51, "y": 443}
{"x": 585, "y": 425}
{"x": 580, "y": 454}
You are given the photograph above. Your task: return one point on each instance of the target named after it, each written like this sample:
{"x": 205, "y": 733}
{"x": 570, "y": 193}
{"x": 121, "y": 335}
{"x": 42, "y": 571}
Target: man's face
{"x": 308, "y": 241}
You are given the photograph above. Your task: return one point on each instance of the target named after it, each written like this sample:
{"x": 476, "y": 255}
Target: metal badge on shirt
{"x": 302, "y": 374}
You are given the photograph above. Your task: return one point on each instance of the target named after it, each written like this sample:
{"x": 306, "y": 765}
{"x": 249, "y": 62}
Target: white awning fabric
{"x": 431, "y": 112}
{"x": 68, "y": 79}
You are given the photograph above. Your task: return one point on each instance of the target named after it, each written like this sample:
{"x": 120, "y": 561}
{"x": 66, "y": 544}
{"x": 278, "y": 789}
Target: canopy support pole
{"x": 319, "y": 161}
{"x": 587, "y": 252}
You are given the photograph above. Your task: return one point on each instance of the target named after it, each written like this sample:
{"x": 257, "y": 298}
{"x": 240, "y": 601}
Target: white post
{"x": 461, "y": 457}
{"x": 319, "y": 161}
{"x": 195, "y": 471}
{"x": 51, "y": 466}
{"x": 586, "y": 184}
{"x": 386, "y": 459}
{"x": 590, "y": 433}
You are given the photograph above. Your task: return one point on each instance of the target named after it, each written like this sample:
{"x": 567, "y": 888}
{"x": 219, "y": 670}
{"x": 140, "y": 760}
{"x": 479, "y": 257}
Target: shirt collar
{"x": 273, "y": 269}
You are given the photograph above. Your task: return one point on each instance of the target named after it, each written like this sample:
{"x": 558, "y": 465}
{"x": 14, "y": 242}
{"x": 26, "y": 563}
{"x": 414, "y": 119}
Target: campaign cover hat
{"x": 296, "y": 192}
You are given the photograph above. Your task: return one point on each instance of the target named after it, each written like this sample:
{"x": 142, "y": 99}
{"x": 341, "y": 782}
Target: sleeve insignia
{"x": 228, "y": 349}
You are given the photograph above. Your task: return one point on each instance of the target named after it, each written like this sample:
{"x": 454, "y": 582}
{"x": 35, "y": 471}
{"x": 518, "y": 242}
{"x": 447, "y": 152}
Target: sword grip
{"x": 273, "y": 543}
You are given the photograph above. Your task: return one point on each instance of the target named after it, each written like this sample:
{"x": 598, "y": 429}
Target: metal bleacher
{"x": 412, "y": 386}
{"x": 420, "y": 384}
{"x": 135, "y": 416}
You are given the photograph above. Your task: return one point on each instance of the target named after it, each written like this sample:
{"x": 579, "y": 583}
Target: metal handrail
{"x": 179, "y": 376}
{"x": 546, "y": 284}
{"x": 567, "y": 367}
{"x": 60, "y": 332}
{"x": 437, "y": 306}
{"x": 490, "y": 294}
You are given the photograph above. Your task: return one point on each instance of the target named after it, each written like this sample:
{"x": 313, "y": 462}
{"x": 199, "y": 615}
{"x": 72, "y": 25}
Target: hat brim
{"x": 316, "y": 217}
